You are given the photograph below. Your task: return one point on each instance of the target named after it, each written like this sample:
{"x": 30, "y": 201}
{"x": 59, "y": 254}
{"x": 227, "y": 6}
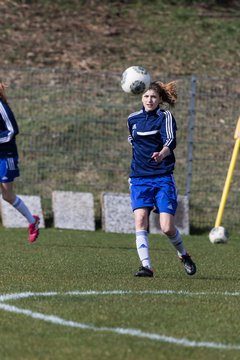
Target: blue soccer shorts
{"x": 157, "y": 192}
{"x": 8, "y": 169}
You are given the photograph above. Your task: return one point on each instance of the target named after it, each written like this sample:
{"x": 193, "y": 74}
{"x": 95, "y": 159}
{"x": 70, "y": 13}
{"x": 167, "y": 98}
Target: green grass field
{"x": 74, "y": 297}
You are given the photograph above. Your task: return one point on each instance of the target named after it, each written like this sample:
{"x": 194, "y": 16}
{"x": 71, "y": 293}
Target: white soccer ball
{"x": 218, "y": 235}
{"x": 135, "y": 80}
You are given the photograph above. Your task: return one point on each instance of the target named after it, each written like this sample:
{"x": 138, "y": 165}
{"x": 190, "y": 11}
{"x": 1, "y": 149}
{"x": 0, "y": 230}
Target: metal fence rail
{"x": 73, "y": 136}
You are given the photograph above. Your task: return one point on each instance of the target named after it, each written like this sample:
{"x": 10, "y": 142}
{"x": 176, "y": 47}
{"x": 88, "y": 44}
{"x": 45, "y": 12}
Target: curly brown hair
{"x": 2, "y": 91}
{"x": 167, "y": 92}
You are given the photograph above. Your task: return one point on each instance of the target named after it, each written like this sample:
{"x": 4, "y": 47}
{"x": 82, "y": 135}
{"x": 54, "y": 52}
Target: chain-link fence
{"x": 73, "y": 136}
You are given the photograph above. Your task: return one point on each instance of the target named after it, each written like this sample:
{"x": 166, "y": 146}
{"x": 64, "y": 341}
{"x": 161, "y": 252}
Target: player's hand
{"x": 157, "y": 156}
{"x": 130, "y": 139}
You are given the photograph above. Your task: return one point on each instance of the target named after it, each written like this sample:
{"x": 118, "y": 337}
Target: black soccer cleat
{"x": 188, "y": 264}
{"x": 144, "y": 272}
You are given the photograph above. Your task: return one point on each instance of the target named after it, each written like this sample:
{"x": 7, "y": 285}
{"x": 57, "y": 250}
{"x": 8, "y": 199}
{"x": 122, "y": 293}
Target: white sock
{"x": 177, "y": 242}
{"x": 23, "y": 209}
{"x": 142, "y": 247}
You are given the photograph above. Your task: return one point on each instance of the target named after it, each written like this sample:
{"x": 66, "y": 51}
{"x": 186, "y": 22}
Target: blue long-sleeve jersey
{"x": 149, "y": 132}
{"x": 8, "y": 131}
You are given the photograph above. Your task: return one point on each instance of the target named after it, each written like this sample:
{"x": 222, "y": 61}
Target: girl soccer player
{"x": 9, "y": 164}
{"x": 152, "y": 186}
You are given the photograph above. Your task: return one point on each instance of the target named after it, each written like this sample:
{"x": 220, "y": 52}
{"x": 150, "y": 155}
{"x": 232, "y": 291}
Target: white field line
{"x": 16, "y": 296}
{"x": 122, "y": 331}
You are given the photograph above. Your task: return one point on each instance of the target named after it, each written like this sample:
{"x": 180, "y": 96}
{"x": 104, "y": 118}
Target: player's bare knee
{"x": 7, "y": 198}
{"x": 167, "y": 231}
{"x": 141, "y": 225}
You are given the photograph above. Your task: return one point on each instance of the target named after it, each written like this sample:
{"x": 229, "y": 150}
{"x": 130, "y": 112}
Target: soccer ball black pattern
{"x": 218, "y": 235}
{"x": 135, "y": 80}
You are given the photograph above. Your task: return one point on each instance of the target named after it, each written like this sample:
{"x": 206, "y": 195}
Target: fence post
{"x": 191, "y": 124}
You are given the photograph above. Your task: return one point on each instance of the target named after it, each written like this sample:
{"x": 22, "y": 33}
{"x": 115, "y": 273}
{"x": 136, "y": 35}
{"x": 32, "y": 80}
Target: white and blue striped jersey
{"x": 8, "y": 131}
{"x": 149, "y": 132}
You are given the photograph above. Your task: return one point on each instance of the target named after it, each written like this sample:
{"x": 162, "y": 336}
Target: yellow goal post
{"x": 229, "y": 175}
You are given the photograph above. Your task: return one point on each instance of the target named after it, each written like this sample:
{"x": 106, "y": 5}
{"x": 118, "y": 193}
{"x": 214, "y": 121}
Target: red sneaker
{"x": 33, "y": 229}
